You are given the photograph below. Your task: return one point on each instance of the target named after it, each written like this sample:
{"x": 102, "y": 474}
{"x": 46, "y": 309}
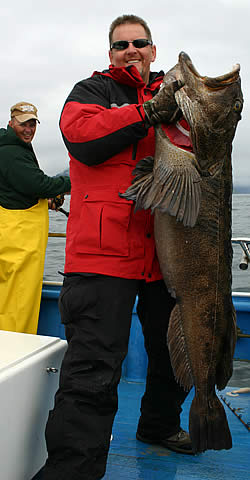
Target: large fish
{"x": 191, "y": 196}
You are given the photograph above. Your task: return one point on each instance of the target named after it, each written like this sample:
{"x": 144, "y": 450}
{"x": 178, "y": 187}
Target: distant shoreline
{"x": 241, "y": 189}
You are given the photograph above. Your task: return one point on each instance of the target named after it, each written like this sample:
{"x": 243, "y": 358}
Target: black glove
{"x": 58, "y": 200}
{"x": 163, "y": 107}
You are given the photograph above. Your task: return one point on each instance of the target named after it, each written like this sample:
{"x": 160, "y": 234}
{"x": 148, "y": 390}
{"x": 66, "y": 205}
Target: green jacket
{"x": 22, "y": 182}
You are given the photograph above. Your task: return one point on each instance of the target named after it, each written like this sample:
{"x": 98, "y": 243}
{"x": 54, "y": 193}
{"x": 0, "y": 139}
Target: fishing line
{"x": 235, "y": 411}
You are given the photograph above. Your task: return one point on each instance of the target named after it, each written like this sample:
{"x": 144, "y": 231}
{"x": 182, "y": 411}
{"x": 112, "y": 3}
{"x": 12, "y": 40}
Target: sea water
{"x": 55, "y": 254}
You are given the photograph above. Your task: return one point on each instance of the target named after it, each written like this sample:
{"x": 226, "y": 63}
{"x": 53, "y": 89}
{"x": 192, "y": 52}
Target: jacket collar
{"x": 131, "y": 77}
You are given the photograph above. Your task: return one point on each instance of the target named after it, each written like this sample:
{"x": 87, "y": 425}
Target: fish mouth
{"x": 219, "y": 82}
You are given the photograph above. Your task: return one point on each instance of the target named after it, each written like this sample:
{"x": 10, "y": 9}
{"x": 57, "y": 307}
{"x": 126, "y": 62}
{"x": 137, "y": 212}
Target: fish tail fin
{"x": 209, "y": 429}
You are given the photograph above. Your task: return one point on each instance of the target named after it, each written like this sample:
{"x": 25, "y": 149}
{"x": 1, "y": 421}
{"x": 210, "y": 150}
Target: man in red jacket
{"x": 107, "y": 126}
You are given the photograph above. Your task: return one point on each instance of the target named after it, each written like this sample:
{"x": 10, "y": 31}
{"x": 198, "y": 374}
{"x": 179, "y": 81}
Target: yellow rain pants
{"x": 23, "y": 241}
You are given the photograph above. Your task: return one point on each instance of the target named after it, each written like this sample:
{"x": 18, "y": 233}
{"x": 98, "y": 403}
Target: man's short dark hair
{"x": 123, "y": 19}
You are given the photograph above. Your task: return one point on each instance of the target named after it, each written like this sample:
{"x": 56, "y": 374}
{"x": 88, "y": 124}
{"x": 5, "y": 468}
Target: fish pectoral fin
{"x": 177, "y": 350}
{"x": 176, "y": 189}
{"x": 141, "y": 184}
{"x": 143, "y": 167}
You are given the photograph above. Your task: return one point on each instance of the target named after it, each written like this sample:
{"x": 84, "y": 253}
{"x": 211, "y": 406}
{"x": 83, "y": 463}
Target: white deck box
{"x": 29, "y": 376}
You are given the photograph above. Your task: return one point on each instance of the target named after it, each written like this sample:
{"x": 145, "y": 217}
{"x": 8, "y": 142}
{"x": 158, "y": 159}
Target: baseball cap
{"x": 24, "y": 111}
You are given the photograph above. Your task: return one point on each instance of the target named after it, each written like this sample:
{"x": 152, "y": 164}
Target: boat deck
{"x": 130, "y": 459}
{"x": 133, "y": 460}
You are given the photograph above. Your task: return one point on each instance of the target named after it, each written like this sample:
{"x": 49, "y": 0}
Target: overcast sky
{"x": 49, "y": 45}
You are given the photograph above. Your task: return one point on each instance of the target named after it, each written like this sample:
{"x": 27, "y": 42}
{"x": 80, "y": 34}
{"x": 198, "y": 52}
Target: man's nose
{"x": 131, "y": 47}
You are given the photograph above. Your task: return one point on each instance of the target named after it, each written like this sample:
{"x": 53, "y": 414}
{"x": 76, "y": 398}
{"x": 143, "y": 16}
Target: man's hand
{"x": 55, "y": 203}
{"x": 163, "y": 107}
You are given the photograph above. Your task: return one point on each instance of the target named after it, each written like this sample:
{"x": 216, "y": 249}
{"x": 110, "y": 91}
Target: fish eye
{"x": 237, "y": 106}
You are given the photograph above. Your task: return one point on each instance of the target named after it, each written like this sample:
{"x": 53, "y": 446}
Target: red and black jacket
{"x": 103, "y": 127}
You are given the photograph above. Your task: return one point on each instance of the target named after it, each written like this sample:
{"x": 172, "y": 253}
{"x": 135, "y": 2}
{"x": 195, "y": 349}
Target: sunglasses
{"x": 138, "y": 43}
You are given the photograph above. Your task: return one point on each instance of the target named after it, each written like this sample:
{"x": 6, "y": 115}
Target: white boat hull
{"x": 27, "y": 391}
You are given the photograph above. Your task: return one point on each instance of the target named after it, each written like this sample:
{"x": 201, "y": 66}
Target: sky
{"x": 49, "y": 45}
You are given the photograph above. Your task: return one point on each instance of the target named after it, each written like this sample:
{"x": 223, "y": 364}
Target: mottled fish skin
{"x": 191, "y": 196}
{"x": 196, "y": 266}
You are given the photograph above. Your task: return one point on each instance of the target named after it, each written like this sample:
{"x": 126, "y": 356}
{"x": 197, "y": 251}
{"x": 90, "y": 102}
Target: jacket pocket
{"x": 103, "y": 224}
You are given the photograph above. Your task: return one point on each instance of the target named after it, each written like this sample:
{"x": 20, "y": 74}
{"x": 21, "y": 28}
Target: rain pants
{"x": 23, "y": 241}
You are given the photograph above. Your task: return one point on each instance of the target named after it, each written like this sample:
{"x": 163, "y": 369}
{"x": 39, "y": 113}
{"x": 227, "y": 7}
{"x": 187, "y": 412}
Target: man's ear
{"x": 110, "y": 56}
{"x": 153, "y": 53}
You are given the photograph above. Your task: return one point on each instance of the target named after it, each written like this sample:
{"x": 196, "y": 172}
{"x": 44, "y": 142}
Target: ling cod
{"x": 190, "y": 194}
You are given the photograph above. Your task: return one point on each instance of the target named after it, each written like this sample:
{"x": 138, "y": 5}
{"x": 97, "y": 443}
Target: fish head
{"x": 212, "y": 107}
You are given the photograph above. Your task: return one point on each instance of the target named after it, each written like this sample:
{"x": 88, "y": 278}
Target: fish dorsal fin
{"x": 224, "y": 368}
{"x": 176, "y": 186}
{"x": 176, "y": 344}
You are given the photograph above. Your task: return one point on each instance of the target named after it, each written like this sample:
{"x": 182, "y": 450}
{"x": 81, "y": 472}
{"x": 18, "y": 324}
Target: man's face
{"x": 141, "y": 58}
{"x": 25, "y": 131}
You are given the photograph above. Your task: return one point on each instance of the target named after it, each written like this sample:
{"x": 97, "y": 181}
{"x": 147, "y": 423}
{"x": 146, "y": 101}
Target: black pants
{"x": 96, "y": 311}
